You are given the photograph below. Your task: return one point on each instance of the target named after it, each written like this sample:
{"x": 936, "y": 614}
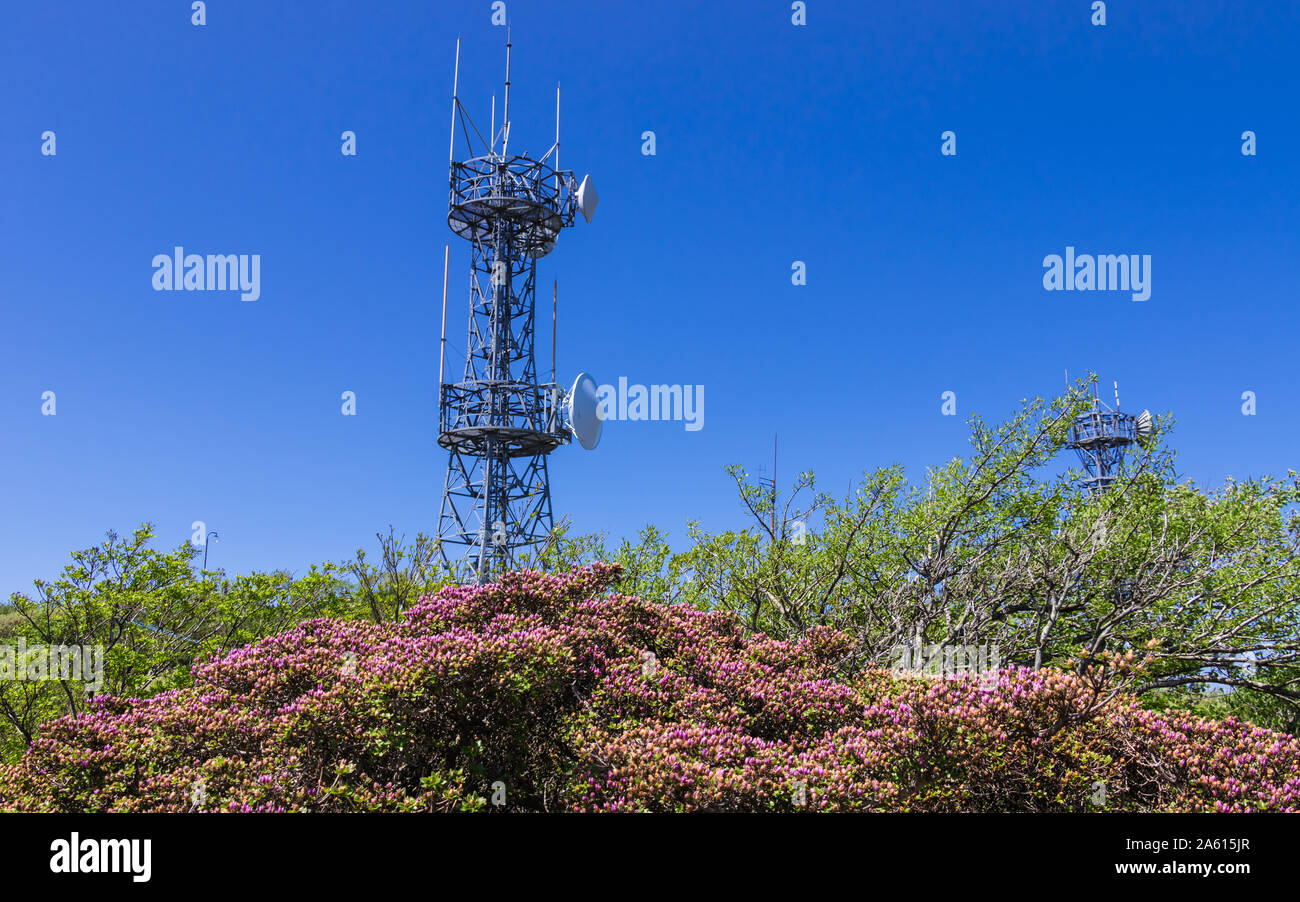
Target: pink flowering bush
{"x": 542, "y": 693}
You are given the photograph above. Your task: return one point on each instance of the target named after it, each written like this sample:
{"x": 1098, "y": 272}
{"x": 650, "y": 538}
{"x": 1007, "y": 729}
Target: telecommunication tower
{"x": 499, "y": 423}
{"x": 1101, "y": 437}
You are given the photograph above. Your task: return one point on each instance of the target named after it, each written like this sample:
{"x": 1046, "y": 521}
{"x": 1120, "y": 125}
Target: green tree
{"x": 148, "y": 615}
{"x": 403, "y": 575}
{"x": 1156, "y": 585}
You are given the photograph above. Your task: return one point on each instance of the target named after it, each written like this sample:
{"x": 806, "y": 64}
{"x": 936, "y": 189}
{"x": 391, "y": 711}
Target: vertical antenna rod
{"x": 455, "y": 87}
{"x": 442, "y": 352}
{"x": 505, "y": 115}
{"x": 557, "y": 139}
{"x": 774, "y": 486}
{"x": 1116, "y": 394}
{"x": 555, "y": 313}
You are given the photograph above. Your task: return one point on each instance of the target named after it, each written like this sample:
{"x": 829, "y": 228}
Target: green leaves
{"x": 1002, "y": 547}
{"x": 153, "y": 614}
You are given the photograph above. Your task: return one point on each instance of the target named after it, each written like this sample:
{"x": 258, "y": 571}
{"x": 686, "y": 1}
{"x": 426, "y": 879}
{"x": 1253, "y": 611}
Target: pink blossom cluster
{"x": 540, "y": 686}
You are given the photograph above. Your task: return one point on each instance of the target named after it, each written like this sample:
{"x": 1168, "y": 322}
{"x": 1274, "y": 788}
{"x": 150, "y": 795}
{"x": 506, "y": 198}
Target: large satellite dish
{"x": 587, "y": 198}
{"x": 584, "y": 416}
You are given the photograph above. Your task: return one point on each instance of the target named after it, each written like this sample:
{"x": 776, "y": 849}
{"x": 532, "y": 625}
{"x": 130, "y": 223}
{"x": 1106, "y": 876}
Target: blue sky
{"x": 775, "y": 143}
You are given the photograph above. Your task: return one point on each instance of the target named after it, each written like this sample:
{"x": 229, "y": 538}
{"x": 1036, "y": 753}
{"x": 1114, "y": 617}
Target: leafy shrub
{"x": 541, "y": 693}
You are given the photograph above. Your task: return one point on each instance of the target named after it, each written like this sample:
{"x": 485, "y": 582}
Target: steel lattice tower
{"x": 1101, "y": 437}
{"x": 498, "y": 423}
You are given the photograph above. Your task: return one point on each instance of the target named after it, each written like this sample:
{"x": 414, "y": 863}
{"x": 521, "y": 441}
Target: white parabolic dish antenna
{"x": 587, "y": 198}
{"x": 1144, "y": 425}
{"x": 584, "y": 416}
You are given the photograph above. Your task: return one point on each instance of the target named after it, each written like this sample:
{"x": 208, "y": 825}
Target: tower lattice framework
{"x": 498, "y": 423}
{"x": 1101, "y": 437}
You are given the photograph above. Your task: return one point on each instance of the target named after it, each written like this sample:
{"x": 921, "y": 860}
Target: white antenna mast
{"x": 1117, "y": 394}
{"x": 442, "y": 352}
{"x": 492, "y": 128}
{"x": 455, "y": 87}
{"x": 557, "y": 138}
{"x": 505, "y": 115}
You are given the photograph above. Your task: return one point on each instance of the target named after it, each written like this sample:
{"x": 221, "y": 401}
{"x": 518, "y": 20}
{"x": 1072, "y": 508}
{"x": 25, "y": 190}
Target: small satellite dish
{"x": 587, "y": 198}
{"x": 584, "y": 416}
{"x": 1144, "y": 425}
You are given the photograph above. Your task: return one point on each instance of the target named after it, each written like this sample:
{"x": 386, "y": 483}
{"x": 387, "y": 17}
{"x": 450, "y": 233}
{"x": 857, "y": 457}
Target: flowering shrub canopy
{"x": 541, "y": 693}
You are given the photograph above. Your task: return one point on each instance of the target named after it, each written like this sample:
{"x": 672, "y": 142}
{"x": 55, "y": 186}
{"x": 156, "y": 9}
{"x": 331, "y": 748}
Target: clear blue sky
{"x": 775, "y": 143}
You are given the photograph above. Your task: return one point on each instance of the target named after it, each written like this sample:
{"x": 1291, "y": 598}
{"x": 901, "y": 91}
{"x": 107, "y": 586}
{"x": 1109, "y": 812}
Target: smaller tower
{"x": 1101, "y": 437}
